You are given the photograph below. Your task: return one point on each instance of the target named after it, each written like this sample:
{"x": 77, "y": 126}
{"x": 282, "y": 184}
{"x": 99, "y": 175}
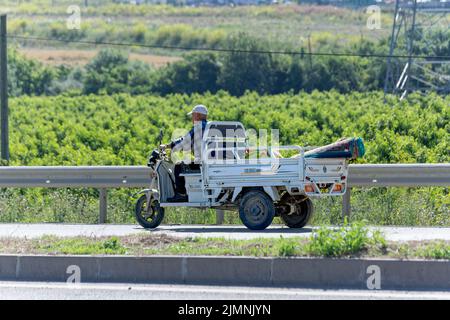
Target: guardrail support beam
{"x": 103, "y": 206}
{"x": 346, "y": 208}
{"x": 220, "y": 215}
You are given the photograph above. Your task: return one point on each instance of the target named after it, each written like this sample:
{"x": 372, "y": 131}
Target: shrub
{"x": 346, "y": 240}
{"x": 287, "y": 248}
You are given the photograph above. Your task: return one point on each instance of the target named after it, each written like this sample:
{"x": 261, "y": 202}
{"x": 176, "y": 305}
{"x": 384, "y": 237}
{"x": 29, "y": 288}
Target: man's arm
{"x": 182, "y": 142}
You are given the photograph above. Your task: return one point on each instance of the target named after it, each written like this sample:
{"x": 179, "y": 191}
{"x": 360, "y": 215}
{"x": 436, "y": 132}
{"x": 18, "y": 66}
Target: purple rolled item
{"x": 349, "y": 148}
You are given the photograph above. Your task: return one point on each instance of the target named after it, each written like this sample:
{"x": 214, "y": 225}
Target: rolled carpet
{"x": 349, "y": 148}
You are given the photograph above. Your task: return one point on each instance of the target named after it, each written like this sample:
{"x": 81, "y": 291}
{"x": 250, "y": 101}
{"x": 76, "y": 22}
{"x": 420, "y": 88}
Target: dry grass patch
{"x": 74, "y": 57}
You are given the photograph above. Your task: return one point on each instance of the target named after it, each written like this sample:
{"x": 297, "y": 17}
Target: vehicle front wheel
{"x": 301, "y": 210}
{"x": 256, "y": 210}
{"x": 148, "y": 217}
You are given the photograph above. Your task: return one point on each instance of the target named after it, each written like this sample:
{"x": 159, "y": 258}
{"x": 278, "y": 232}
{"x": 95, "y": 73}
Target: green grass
{"x": 323, "y": 242}
{"x": 288, "y": 247}
{"x": 220, "y": 246}
{"x": 436, "y": 250}
{"x": 77, "y": 246}
{"x": 393, "y": 206}
{"x": 346, "y": 240}
{"x": 350, "y": 241}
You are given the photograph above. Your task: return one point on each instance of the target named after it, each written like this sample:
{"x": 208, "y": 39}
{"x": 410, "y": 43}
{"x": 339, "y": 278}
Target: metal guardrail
{"x": 83, "y": 177}
{"x": 104, "y": 177}
{"x": 399, "y": 175}
{"x": 360, "y": 175}
{"x": 394, "y": 175}
{"x": 101, "y": 178}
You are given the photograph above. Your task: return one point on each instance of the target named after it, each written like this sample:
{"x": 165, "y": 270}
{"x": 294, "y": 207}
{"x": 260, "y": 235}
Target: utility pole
{"x": 4, "y": 90}
{"x": 309, "y": 51}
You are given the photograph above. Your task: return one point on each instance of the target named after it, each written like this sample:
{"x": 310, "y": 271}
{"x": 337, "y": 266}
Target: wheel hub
{"x": 256, "y": 210}
{"x": 148, "y": 213}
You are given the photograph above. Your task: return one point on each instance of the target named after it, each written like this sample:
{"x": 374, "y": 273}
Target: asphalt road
{"x": 230, "y": 232}
{"x": 59, "y": 291}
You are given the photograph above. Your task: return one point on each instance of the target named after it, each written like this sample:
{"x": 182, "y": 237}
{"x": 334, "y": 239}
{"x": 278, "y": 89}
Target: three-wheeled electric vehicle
{"x": 259, "y": 188}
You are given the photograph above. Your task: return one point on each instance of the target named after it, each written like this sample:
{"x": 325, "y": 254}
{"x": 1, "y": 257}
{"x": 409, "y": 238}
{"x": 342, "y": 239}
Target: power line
{"x": 225, "y": 50}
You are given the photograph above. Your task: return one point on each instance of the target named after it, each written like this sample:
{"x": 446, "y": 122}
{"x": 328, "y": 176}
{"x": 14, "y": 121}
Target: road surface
{"x": 52, "y": 291}
{"x": 184, "y": 231}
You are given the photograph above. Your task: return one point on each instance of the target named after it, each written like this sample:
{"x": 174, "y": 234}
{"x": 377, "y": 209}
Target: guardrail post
{"x": 346, "y": 208}
{"x": 220, "y": 214}
{"x": 103, "y": 205}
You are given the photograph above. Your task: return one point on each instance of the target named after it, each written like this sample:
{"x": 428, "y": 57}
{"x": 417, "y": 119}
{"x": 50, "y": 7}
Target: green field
{"x": 162, "y": 30}
{"x": 118, "y": 124}
{"x": 122, "y": 129}
{"x": 285, "y": 27}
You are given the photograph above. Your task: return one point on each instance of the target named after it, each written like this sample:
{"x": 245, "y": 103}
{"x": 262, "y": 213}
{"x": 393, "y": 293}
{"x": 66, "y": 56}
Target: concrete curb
{"x": 295, "y": 272}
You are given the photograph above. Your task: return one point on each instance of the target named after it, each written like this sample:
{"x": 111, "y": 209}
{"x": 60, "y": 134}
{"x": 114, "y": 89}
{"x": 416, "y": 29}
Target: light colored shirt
{"x": 192, "y": 141}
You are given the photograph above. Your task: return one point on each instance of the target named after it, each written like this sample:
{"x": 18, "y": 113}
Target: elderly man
{"x": 192, "y": 142}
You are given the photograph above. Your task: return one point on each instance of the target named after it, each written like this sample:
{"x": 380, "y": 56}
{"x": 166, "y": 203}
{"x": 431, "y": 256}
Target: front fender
{"x": 150, "y": 193}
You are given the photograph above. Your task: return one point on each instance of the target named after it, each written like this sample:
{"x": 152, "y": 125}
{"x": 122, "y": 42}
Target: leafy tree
{"x": 111, "y": 72}
{"x": 287, "y": 75}
{"x": 243, "y": 71}
{"x": 27, "y": 77}
{"x": 103, "y": 71}
{"x": 198, "y": 73}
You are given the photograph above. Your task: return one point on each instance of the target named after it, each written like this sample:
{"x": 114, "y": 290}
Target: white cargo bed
{"x": 285, "y": 172}
{"x": 220, "y": 181}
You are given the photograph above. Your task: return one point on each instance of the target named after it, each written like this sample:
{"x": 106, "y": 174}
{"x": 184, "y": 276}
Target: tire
{"x": 256, "y": 210}
{"x": 156, "y": 217}
{"x": 300, "y": 217}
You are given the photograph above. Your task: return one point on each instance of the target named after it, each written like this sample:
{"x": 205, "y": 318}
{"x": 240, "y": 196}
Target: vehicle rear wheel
{"x": 256, "y": 210}
{"x": 151, "y": 217}
{"x": 301, "y": 210}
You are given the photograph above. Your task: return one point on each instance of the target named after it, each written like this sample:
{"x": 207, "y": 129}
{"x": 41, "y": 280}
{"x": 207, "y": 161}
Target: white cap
{"x": 199, "y": 109}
